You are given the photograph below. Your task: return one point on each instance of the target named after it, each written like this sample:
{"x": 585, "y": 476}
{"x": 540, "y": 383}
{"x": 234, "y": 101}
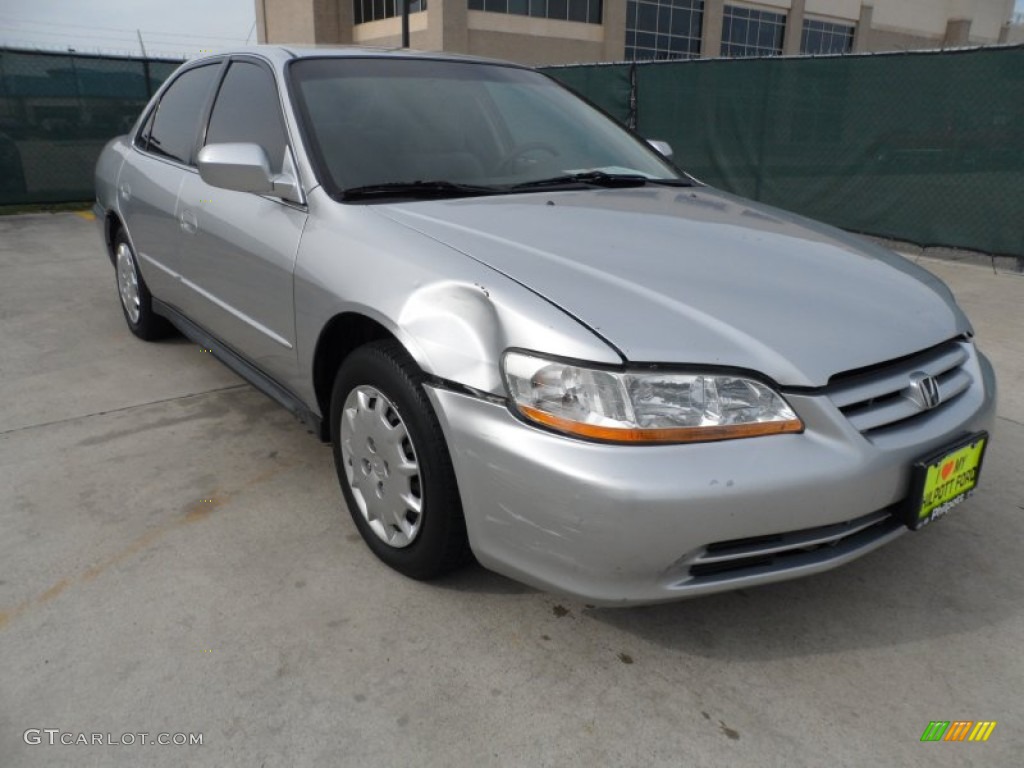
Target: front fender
{"x": 454, "y": 315}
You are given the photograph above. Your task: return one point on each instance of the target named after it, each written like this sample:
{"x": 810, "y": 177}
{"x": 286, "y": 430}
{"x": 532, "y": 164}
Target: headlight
{"x": 644, "y": 407}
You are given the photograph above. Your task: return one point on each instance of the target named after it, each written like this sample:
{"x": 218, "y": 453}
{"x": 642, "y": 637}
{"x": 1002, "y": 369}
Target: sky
{"x": 176, "y": 28}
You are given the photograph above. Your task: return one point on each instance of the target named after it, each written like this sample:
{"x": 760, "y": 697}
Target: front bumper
{"x": 616, "y": 525}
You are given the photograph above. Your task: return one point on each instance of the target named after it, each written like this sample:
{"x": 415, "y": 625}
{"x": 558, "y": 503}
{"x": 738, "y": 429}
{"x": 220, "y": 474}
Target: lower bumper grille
{"x": 741, "y": 558}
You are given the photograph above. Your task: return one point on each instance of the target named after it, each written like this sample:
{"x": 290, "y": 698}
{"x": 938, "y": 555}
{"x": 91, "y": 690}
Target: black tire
{"x": 148, "y": 326}
{"x": 440, "y": 545}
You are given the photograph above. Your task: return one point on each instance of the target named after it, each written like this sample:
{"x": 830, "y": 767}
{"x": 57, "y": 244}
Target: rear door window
{"x": 175, "y": 127}
{"x": 248, "y": 110}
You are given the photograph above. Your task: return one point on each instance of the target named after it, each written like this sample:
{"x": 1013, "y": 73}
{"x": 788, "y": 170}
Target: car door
{"x": 151, "y": 178}
{"x": 239, "y": 248}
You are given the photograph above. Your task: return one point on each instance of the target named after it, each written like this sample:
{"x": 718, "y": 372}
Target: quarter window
{"x": 175, "y": 127}
{"x": 248, "y": 110}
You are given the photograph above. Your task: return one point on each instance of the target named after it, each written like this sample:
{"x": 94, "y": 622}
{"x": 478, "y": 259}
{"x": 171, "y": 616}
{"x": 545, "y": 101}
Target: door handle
{"x": 188, "y": 221}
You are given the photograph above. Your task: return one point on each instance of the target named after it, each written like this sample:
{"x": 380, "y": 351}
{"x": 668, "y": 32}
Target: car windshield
{"x": 394, "y": 127}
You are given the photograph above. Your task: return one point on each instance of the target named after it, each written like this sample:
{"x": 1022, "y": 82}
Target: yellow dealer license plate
{"x": 944, "y": 480}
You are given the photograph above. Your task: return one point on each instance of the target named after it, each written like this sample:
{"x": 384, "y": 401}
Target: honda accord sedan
{"x": 530, "y": 338}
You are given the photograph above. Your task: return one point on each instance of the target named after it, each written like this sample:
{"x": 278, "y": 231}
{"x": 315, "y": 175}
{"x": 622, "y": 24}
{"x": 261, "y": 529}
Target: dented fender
{"x": 454, "y": 316}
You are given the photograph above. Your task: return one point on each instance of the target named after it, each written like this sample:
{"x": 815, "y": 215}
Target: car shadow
{"x": 477, "y": 580}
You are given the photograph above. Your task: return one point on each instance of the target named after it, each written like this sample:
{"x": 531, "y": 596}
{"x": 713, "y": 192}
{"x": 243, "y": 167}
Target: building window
{"x": 587, "y": 11}
{"x": 663, "y": 29}
{"x": 826, "y": 37}
{"x": 746, "y": 32}
{"x": 375, "y": 10}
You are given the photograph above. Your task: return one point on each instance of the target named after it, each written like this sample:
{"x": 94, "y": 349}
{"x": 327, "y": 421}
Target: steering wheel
{"x": 517, "y": 152}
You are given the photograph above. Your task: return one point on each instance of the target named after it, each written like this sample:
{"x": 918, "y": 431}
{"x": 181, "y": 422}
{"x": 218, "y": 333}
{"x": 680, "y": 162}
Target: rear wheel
{"x": 136, "y": 301}
{"x": 393, "y": 463}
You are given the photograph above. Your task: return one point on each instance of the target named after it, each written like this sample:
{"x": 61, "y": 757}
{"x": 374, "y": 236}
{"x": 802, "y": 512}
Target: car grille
{"x": 880, "y": 397}
{"x": 740, "y": 558}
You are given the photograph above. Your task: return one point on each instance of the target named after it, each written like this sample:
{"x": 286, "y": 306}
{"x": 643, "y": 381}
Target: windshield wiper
{"x": 417, "y": 190}
{"x": 598, "y": 179}
{"x": 439, "y": 188}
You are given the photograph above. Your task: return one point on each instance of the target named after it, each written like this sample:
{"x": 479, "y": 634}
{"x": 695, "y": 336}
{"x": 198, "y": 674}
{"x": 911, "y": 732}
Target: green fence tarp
{"x": 922, "y": 147}
{"x": 607, "y": 85}
{"x": 56, "y": 113}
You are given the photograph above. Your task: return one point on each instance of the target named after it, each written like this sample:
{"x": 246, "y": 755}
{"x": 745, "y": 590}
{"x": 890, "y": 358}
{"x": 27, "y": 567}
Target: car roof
{"x": 281, "y": 54}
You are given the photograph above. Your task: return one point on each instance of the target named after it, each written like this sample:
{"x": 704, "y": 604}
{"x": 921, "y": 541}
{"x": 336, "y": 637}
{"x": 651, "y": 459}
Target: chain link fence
{"x": 926, "y": 148}
{"x": 56, "y": 113}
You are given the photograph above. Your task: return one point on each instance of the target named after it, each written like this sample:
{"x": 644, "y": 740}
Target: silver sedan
{"x": 530, "y": 337}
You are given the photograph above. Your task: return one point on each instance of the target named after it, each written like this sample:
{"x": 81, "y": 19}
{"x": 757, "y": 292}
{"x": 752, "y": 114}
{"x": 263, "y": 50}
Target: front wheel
{"x": 393, "y": 463}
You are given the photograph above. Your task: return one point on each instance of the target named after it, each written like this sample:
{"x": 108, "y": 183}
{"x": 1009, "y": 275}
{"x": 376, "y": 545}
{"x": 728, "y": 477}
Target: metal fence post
{"x": 632, "y": 121}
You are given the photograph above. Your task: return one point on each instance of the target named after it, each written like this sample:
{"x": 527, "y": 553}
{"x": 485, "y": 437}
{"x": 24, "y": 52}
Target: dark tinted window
{"x": 248, "y": 110}
{"x": 177, "y": 118}
{"x": 419, "y": 120}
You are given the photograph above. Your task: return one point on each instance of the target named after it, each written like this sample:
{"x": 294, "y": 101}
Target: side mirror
{"x": 663, "y": 148}
{"x": 245, "y": 168}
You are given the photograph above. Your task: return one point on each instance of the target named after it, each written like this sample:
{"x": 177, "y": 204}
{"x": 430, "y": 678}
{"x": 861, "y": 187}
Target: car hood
{"x": 697, "y": 276}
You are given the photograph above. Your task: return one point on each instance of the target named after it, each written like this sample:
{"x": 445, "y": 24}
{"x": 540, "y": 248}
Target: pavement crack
{"x": 83, "y": 416}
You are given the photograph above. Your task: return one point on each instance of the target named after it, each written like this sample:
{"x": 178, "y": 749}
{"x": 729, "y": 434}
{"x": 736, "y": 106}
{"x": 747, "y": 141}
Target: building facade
{"x": 576, "y": 31}
{"x": 1016, "y": 33}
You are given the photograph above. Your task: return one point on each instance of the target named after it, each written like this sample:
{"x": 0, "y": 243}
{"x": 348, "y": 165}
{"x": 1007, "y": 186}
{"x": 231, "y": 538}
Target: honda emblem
{"x": 924, "y": 390}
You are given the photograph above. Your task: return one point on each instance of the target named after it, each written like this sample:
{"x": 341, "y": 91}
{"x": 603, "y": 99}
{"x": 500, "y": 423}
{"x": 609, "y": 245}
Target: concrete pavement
{"x": 175, "y": 557}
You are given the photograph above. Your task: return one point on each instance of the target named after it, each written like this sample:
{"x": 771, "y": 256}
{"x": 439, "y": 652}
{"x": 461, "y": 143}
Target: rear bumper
{"x": 618, "y": 525}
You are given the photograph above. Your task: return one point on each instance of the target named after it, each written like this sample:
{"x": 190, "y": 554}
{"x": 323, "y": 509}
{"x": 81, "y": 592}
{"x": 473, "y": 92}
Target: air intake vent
{"x": 780, "y": 552}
